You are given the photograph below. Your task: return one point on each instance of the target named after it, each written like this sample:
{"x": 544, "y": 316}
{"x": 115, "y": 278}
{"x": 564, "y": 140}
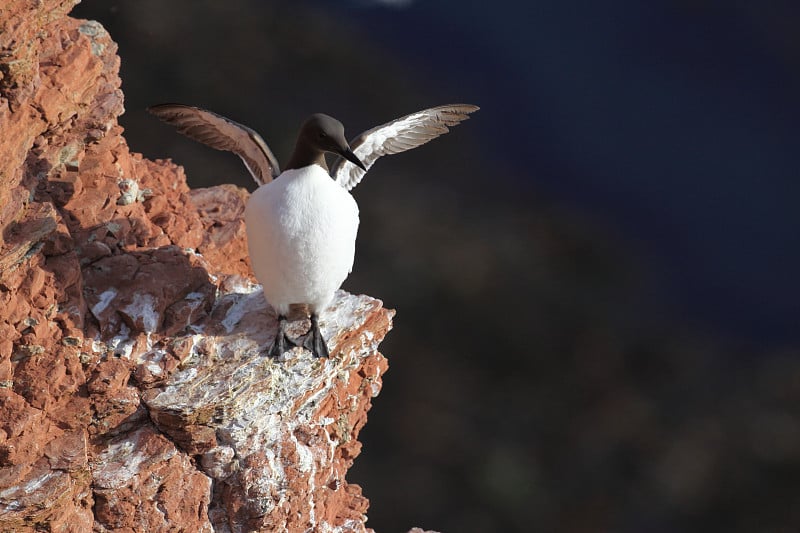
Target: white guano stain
{"x": 105, "y": 298}
{"x": 143, "y": 307}
{"x": 258, "y": 399}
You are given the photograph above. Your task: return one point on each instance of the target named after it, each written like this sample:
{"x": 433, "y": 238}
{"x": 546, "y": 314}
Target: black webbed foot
{"x": 282, "y": 343}
{"x": 314, "y": 342}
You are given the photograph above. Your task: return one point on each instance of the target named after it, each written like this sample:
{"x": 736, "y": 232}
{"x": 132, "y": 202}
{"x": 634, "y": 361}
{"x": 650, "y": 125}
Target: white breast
{"x": 301, "y": 234}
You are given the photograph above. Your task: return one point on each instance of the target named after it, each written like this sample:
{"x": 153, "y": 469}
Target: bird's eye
{"x": 322, "y": 135}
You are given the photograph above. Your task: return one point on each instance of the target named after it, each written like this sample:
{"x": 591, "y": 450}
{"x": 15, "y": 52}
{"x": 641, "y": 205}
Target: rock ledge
{"x": 134, "y": 390}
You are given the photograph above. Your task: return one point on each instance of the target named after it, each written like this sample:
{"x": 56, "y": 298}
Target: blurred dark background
{"x": 596, "y": 277}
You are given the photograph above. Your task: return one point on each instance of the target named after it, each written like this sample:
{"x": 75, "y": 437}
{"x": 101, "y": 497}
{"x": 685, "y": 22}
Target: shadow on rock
{"x": 154, "y": 291}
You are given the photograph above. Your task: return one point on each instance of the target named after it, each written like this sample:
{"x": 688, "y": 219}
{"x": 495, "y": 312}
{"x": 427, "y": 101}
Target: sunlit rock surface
{"x": 134, "y": 390}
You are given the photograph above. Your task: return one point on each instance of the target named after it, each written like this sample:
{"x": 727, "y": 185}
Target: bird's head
{"x": 326, "y": 134}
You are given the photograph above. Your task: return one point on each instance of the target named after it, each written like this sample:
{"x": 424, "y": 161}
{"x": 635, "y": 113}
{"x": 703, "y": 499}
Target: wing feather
{"x": 222, "y": 133}
{"x": 398, "y": 136}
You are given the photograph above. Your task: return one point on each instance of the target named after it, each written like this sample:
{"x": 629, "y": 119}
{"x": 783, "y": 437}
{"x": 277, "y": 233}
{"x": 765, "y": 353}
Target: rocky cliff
{"x": 134, "y": 390}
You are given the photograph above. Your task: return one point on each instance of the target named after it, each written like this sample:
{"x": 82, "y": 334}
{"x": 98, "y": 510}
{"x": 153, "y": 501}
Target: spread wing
{"x": 398, "y": 136}
{"x": 221, "y": 133}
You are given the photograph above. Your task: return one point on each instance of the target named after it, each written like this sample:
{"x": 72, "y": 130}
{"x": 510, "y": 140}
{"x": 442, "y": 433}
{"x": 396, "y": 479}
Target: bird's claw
{"x": 281, "y": 345}
{"x": 314, "y": 341}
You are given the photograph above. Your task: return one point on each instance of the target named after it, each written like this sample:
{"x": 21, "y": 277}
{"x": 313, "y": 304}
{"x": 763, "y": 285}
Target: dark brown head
{"x": 319, "y": 134}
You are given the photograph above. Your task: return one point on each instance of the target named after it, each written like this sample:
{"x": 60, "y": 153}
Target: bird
{"x": 301, "y": 223}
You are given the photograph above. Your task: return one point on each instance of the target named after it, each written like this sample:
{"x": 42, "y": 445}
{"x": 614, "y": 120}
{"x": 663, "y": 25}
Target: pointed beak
{"x": 350, "y": 156}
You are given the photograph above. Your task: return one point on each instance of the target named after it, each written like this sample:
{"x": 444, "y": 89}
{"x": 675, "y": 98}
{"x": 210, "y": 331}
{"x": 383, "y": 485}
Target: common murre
{"x": 302, "y": 223}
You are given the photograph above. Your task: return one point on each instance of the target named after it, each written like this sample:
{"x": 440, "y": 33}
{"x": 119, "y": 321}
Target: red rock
{"x": 68, "y": 452}
{"x": 19, "y": 442}
{"x": 221, "y": 211}
{"x": 142, "y": 482}
{"x": 30, "y": 500}
{"x": 126, "y": 384}
{"x": 287, "y": 422}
